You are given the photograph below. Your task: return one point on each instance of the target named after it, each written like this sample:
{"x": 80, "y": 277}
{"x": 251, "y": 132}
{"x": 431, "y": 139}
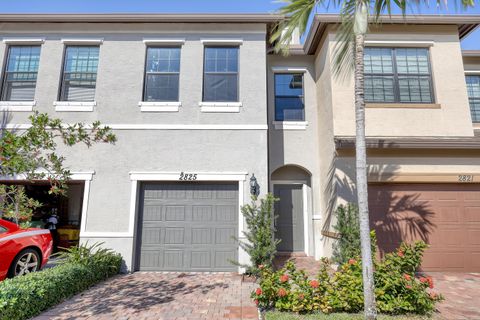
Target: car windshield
{"x": 2, "y": 230}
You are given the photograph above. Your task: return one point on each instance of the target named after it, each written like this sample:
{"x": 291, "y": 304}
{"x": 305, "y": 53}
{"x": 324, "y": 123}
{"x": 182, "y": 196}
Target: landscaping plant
{"x": 31, "y": 153}
{"x": 27, "y": 296}
{"x": 348, "y": 228}
{"x": 397, "y": 289}
{"x": 260, "y": 243}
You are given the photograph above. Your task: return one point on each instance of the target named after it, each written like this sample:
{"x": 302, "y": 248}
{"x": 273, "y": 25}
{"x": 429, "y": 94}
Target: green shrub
{"x": 397, "y": 290}
{"x": 347, "y": 226}
{"x": 27, "y": 296}
{"x": 260, "y": 243}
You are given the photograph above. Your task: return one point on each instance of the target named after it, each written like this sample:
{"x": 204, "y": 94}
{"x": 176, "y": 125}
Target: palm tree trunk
{"x": 362, "y": 187}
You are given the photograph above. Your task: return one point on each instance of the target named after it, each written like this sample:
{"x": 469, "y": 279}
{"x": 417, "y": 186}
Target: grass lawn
{"x": 335, "y": 316}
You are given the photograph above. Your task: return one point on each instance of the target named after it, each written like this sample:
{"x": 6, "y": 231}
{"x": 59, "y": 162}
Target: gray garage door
{"x": 188, "y": 227}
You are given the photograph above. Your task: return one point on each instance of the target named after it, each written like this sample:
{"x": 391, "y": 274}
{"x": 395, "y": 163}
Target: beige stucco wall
{"x": 452, "y": 119}
{"x": 471, "y": 63}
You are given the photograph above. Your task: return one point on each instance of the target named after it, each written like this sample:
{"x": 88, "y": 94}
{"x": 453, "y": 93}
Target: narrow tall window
{"x": 220, "y": 79}
{"x": 79, "y": 77}
{"x": 20, "y": 77}
{"x": 162, "y": 73}
{"x": 289, "y": 103}
{"x": 473, "y": 89}
{"x": 397, "y": 75}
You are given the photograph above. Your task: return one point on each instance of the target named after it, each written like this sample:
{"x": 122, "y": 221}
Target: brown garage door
{"x": 447, "y": 216}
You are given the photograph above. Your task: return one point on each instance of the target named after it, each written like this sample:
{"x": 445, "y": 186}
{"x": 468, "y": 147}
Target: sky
{"x": 198, "y": 6}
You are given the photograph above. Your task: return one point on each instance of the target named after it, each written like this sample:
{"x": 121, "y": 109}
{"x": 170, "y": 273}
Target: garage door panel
{"x": 188, "y": 228}
{"x": 446, "y": 216}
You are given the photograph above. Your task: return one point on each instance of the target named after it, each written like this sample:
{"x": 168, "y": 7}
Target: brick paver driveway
{"x": 221, "y": 296}
{"x": 155, "y": 296}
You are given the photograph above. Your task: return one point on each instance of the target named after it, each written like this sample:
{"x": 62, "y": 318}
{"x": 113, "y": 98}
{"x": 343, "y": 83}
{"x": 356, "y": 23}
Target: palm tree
{"x": 348, "y": 54}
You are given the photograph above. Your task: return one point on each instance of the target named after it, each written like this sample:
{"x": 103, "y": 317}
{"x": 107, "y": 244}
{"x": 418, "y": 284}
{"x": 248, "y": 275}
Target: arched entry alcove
{"x": 291, "y": 184}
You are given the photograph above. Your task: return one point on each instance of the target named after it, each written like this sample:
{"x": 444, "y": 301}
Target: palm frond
{"x": 344, "y": 48}
{"x": 298, "y": 13}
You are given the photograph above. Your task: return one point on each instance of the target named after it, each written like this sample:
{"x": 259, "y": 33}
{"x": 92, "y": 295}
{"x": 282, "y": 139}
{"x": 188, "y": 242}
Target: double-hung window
{"x": 162, "y": 73}
{"x": 220, "y": 79}
{"x": 289, "y": 100}
{"x": 398, "y": 75}
{"x": 79, "y": 76}
{"x": 473, "y": 89}
{"x": 20, "y": 76}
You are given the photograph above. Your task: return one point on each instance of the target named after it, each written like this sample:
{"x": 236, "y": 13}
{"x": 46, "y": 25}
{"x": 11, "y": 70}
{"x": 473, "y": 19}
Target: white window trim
{"x": 17, "y": 106}
{"x": 475, "y": 72}
{"x": 165, "y": 41}
{"x": 74, "y": 106}
{"x": 399, "y": 43}
{"x": 75, "y": 41}
{"x": 23, "y": 40}
{"x": 216, "y": 41}
{"x": 159, "y": 106}
{"x": 289, "y": 69}
{"x": 220, "y": 107}
{"x": 290, "y": 125}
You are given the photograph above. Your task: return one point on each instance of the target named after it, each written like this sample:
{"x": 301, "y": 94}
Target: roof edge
{"x": 142, "y": 17}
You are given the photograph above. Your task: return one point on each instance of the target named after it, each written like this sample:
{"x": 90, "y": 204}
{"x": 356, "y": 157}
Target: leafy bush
{"x": 347, "y": 245}
{"x": 27, "y": 296}
{"x": 397, "y": 290}
{"x": 260, "y": 243}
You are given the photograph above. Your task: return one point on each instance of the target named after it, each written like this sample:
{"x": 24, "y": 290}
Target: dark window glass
{"x": 473, "y": 89}
{"x": 162, "y": 74}
{"x": 3, "y": 230}
{"x": 220, "y": 79}
{"x": 20, "y": 76}
{"x": 400, "y": 75}
{"x": 289, "y": 105}
{"x": 79, "y": 73}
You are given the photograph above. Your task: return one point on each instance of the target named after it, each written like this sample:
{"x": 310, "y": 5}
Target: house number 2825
{"x": 187, "y": 176}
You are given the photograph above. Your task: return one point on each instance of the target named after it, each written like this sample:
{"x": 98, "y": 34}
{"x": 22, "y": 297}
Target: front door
{"x": 289, "y": 221}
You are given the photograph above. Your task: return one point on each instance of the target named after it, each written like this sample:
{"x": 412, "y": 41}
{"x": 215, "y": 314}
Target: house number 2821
{"x": 465, "y": 178}
{"x": 187, "y": 176}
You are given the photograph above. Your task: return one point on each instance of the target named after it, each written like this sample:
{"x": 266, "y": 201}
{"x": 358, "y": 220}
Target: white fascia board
{"x": 164, "y": 126}
{"x": 80, "y": 175}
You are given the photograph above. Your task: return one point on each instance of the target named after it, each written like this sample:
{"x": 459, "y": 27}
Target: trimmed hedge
{"x": 27, "y": 296}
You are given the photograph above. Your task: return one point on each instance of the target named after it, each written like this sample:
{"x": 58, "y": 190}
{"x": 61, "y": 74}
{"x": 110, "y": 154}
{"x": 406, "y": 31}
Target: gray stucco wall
{"x": 118, "y": 92}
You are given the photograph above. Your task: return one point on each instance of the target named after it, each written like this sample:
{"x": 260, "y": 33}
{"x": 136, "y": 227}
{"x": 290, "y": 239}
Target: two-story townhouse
{"x": 423, "y": 152}
{"x": 185, "y": 96}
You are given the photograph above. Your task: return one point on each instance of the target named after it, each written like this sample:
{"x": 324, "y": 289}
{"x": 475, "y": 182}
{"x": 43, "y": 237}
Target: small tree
{"x": 347, "y": 245}
{"x": 32, "y": 154}
{"x": 260, "y": 243}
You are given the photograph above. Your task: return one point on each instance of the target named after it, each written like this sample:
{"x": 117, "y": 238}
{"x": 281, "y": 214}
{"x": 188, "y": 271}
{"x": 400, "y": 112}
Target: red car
{"x": 22, "y": 250}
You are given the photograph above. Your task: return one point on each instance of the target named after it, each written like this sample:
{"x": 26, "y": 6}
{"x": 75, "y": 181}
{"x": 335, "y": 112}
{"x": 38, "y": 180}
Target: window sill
{"x": 17, "y": 106}
{"x": 404, "y": 105}
{"x": 220, "y": 107}
{"x": 290, "y": 125}
{"x": 159, "y": 106}
{"x": 74, "y": 106}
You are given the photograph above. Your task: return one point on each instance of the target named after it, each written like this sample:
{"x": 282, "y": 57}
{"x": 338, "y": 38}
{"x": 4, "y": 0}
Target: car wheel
{"x": 26, "y": 261}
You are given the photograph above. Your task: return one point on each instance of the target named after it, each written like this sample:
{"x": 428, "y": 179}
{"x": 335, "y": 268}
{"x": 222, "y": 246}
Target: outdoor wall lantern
{"x": 254, "y": 187}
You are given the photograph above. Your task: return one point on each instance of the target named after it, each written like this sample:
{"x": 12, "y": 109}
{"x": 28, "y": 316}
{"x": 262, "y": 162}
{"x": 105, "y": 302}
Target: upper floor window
{"x": 20, "y": 76}
{"x": 79, "y": 76}
{"x": 220, "y": 79}
{"x": 289, "y": 102}
{"x": 398, "y": 75}
{"x": 162, "y": 73}
{"x": 473, "y": 89}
